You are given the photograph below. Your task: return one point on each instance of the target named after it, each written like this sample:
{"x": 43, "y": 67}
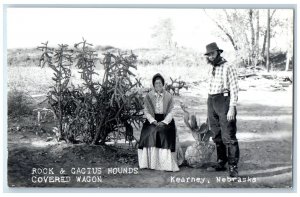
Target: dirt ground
{"x": 264, "y": 131}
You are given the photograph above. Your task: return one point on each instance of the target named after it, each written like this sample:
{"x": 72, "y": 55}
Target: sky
{"x": 123, "y": 28}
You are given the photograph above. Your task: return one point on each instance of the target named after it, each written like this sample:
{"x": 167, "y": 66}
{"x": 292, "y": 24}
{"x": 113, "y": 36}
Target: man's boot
{"x": 233, "y": 158}
{"x": 221, "y": 158}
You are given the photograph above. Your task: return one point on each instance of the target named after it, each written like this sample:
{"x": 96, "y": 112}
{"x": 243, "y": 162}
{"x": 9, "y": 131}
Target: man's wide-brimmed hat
{"x": 212, "y": 47}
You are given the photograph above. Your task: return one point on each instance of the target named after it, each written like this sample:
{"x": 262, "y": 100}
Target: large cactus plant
{"x": 95, "y": 109}
{"x": 59, "y": 60}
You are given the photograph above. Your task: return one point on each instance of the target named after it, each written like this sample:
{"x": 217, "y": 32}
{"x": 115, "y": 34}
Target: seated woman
{"x": 159, "y": 146}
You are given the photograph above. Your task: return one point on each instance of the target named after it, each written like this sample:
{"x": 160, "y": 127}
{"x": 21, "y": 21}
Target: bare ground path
{"x": 264, "y": 133}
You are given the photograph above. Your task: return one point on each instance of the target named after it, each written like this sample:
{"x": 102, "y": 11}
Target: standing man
{"x": 221, "y": 107}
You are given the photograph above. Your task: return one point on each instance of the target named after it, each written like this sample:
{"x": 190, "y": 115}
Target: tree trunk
{"x": 266, "y": 34}
{"x": 257, "y": 40}
{"x": 252, "y": 50}
{"x": 263, "y": 50}
{"x": 268, "y": 42}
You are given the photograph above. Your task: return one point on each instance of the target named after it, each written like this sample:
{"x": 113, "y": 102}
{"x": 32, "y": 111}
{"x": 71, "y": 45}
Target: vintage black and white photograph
{"x": 112, "y": 97}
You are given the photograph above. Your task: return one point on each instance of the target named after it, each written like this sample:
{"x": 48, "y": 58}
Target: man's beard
{"x": 215, "y": 61}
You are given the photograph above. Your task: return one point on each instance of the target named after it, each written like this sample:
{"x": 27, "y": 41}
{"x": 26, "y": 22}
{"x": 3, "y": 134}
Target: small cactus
{"x": 201, "y": 133}
{"x": 199, "y": 153}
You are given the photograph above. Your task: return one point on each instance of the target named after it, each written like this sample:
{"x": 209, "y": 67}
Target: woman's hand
{"x": 155, "y": 123}
{"x": 161, "y": 124}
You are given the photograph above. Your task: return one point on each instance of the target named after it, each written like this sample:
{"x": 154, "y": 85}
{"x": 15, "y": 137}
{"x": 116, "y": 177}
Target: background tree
{"x": 249, "y": 31}
{"x": 289, "y": 51}
{"x": 163, "y": 33}
{"x": 269, "y": 18}
{"x": 237, "y": 27}
{"x": 268, "y": 41}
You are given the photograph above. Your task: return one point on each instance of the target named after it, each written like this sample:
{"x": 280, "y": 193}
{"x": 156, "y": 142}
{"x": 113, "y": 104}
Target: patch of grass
{"x": 174, "y": 57}
{"x": 19, "y": 103}
{"x": 23, "y": 57}
{"x": 33, "y": 80}
{"x": 187, "y": 74}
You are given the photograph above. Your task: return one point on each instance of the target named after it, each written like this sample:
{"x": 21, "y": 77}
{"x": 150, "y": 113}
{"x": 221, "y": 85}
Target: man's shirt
{"x": 225, "y": 79}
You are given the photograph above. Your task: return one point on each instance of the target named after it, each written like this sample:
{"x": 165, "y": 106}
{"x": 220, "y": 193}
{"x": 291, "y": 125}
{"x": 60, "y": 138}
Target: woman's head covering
{"x": 158, "y": 76}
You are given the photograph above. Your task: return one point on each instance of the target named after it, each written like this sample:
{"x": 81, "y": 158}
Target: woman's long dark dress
{"x": 158, "y": 136}
{"x": 157, "y": 146}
